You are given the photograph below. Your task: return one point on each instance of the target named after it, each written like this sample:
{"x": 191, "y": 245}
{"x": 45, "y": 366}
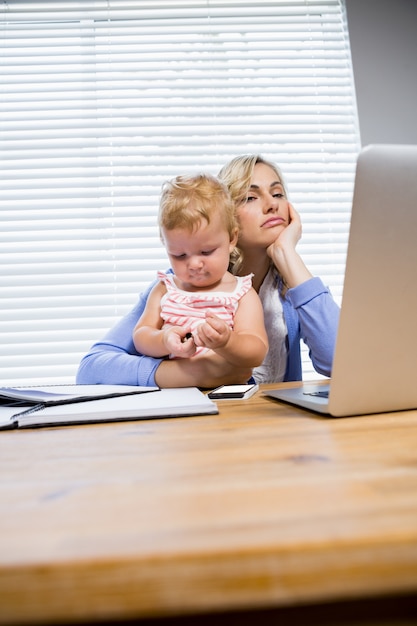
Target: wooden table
{"x": 262, "y": 508}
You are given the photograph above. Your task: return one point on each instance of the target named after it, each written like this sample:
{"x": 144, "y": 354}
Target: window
{"x": 104, "y": 100}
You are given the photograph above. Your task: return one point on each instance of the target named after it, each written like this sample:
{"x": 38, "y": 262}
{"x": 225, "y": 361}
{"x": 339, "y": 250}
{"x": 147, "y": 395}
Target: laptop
{"x": 375, "y": 363}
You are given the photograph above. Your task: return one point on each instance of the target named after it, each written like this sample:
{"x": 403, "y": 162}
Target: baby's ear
{"x": 233, "y": 238}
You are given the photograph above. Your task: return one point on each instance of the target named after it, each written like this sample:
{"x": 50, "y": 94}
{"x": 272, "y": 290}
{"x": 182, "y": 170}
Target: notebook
{"x": 144, "y": 403}
{"x": 48, "y": 395}
{"x": 375, "y": 362}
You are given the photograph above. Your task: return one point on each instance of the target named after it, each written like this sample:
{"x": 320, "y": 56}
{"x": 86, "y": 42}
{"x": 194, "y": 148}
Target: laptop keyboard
{"x": 319, "y": 394}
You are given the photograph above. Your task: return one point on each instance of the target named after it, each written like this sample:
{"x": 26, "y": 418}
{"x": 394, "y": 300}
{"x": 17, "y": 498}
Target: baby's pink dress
{"x": 189, "y": 308}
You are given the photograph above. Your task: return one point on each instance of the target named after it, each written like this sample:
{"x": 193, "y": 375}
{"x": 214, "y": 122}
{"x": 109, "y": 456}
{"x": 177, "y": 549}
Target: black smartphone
{"x": 235, "y": 392}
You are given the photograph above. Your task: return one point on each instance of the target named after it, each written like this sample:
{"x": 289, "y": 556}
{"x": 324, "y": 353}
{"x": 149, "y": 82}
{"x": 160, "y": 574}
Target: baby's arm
{"x": 151, "y": 338}
{"x": 247, "y": 344}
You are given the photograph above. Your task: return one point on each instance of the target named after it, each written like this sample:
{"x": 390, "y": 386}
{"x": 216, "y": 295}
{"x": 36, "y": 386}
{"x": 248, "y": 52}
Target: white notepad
{"x": 149, "y": 404}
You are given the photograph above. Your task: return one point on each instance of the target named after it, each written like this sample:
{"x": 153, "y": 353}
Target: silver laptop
{"x": 375, "y": 363}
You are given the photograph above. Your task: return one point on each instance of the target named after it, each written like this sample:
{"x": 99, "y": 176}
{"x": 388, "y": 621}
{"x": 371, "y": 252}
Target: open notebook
{"x": 375, "y": 363}
{"x": 33, "y": 407}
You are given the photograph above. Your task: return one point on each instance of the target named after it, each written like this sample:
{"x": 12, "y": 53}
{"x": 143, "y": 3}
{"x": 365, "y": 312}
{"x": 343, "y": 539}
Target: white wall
{"x": 383, "y": 39}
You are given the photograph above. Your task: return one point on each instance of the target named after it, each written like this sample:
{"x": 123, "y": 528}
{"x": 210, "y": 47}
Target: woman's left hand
{"x": 283, "y": 254}
{"x": 289, "y": 236}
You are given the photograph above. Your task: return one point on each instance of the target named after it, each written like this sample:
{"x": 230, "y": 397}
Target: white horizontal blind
{"x": 101, "y": 101}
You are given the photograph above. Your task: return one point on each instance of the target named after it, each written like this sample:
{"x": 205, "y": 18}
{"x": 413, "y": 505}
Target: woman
{"x": 296, "y": 305}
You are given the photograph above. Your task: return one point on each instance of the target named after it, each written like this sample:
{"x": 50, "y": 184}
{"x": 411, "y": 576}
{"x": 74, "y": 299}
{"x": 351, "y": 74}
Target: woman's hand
{"x": 283, "y": 254}
{"x": 289, "y": 236}
{"x": 207, "y": 370}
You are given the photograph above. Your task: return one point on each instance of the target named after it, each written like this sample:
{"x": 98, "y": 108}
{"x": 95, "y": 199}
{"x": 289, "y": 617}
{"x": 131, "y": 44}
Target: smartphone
{"x": 236, "y": 392}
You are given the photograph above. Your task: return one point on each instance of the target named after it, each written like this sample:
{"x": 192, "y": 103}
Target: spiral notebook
{"x": 86, "y": 404}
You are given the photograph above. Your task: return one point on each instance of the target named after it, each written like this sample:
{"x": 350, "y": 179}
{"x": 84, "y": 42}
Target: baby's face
{"x": 199, "y": 258}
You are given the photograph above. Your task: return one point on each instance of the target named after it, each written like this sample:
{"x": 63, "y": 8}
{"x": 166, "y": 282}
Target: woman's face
{"x": 264, "y": 214}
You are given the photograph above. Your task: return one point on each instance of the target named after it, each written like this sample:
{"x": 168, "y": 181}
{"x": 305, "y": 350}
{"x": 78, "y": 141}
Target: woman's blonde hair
{"x": 187, "y": 200}
{"x": 237, "y": 176}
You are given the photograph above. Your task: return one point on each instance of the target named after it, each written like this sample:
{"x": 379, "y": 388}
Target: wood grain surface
{"x": 263, "y": 505}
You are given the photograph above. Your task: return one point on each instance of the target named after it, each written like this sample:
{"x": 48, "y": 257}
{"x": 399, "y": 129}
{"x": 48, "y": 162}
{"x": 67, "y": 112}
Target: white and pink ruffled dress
{"x": 189, "y": 308}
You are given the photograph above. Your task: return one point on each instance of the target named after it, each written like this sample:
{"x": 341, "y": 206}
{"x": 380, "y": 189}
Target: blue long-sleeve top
{"x": 310, "y": 314}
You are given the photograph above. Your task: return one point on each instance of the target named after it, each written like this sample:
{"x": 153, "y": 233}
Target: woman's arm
{"x": 318, "y": 316}
{"x": 114, "y": 360}
{"x": 284, "y": 255}
{"x": 205, "y": 370}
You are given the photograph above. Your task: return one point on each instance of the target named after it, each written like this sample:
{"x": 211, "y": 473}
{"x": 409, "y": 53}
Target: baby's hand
{"x": 179, "y": 342}
{"x": 213, "y": 333}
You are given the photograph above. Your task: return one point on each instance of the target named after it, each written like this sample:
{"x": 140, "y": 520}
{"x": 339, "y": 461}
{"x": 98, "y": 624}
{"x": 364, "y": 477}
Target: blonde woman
{"x": 296, "y": 305}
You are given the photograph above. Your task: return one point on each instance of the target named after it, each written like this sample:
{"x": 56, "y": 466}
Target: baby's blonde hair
{"x": 187, "y": 200}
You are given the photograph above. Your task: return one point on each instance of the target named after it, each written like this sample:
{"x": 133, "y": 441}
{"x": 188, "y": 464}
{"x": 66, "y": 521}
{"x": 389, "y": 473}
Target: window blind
{"x": 102, "y": 101}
